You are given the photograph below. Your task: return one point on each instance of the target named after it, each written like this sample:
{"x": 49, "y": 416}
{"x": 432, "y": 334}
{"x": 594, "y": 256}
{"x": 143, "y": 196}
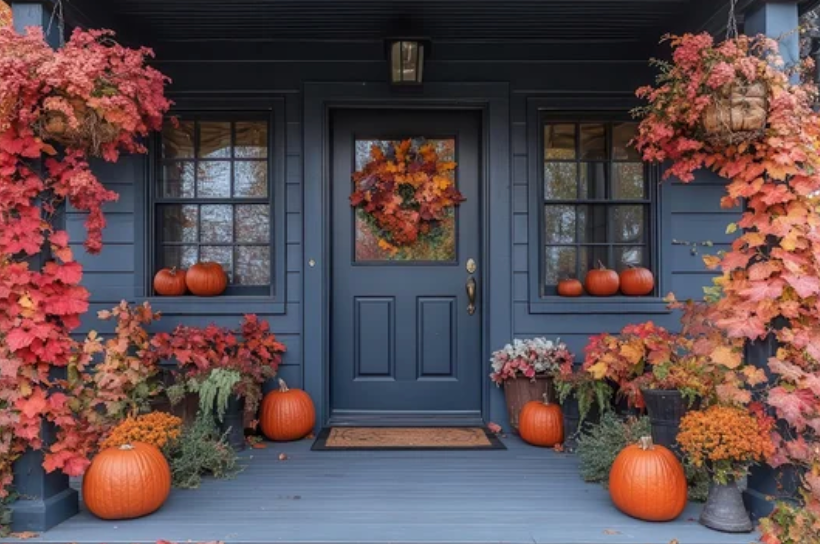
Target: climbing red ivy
{"x": 770, "y": 277}
{"x": 91, "y": 97}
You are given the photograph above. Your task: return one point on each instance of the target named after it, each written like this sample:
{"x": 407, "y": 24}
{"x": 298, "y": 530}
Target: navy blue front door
{"x": 405, "y": 346}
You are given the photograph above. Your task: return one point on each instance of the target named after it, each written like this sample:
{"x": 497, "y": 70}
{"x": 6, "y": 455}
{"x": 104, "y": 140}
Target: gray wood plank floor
{"x": 522, "y": 495}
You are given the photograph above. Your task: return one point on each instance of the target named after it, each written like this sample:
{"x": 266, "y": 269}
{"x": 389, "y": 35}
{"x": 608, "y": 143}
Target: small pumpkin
{"x": 570, "y": 288}
{"x": 170, "y": 282}
{"x": 127, "y": 482}
{"x": 287, "y": 414}
{"x": 637, "y": 281}
{"x": 206, "y": 279}
{"x": 647, "y": 482}
{"x": 541, "y": 423}
{"x": 601, "y": 281}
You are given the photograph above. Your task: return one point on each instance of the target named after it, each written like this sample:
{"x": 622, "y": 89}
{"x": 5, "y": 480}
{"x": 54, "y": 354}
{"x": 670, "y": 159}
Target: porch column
{"x": 44, "y": 499}
{"x": 778, "y": 19}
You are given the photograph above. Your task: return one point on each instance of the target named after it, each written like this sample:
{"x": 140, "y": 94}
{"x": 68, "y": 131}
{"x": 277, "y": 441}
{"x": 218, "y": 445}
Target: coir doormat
{"x": 406, "y": 438}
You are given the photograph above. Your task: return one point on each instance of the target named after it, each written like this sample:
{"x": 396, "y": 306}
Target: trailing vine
{"x": 45, "y": 374}
{"x": 770, "y": 278}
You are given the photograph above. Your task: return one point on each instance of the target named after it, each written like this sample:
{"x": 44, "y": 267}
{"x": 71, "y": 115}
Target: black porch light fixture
{"x": 406, "y": 60}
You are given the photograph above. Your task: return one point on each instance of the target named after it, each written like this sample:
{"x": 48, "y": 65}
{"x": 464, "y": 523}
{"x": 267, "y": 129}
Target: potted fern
{"x": 225, "y": 368}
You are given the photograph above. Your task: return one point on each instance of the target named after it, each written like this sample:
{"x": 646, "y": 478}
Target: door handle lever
{"x": 471, "y": 292}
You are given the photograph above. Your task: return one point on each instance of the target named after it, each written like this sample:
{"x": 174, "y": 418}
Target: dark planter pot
{"x": 724, "y": 510}
{"x": 520, "y": 391}
{"x": 572, "y": 420}
{"x": 665, "y": 409}
{"x": 233, "y": 424}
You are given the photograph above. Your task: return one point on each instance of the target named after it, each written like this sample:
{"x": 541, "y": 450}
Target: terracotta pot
{"x": 520, "y": 391}
{"x": 737, "y": 115}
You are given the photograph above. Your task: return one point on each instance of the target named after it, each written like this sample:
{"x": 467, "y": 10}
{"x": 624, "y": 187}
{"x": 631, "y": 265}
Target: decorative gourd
{"x": 637, "y": 281}
{"x": 170, "y": 282}
{"x": 206, "y": 279}
{"x": 647, "y": 482}
{"x": 541, "y": 423}
{"x": 570, "y": 288}
{"x": 601, "y": 281}
{"x": 287, "y": 414}
{"x": 126, "y": 482}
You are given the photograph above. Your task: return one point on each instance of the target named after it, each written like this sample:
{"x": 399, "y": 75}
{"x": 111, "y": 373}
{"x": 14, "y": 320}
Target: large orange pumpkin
{"x": 206, "y": 279}
{"x": 541, "y": 423}
{"x": 570, "y": 288}
{"x": 170, "y": 282}
{"x": 126, "y": 482}
{"x": 637, "y": 281}
{"x": 287, "y": 414}
{"x": 647, "y": 482}
{"x": 601, "y": 281}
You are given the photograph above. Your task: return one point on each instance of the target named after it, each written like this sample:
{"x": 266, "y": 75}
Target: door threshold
{"x": 341, "y": 418}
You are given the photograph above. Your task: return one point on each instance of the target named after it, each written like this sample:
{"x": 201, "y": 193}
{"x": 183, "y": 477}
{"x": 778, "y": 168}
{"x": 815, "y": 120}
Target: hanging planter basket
{"x": 737, "y": 115}
{"x": 90, "y": 134}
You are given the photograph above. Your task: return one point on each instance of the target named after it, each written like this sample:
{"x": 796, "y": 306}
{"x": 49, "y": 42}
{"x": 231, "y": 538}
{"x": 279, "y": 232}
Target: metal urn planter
{"x": 521, "y": 390}
{"x": 724, "y": 510}
{"x": 232, "y": 425}
{"x": 665, "y": 410}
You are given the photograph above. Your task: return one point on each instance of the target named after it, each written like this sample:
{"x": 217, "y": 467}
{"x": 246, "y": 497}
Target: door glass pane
{"x": 560, "y": 180}
{"x": 217, "y": 224}
{"x": 628, "y": 181}
{"x": 593, "y": 142}
{"x": 178, "y": 141}
{"x": 559, "y": 142}
{"x": 252, "y": 265}
{"x": 214, "y": 140}
{"x": 251, "y": 140}
{"x": 628, "y": 224}
{"x": 560, "y": 264}
{"x": 407, "y": 225}
{"x": 250, "y": 179}
{"x": 179, "y": 224}
{"x": 559, "y": 222}
{"x": 622, "y": 134}
{"x": 214, "y": 179}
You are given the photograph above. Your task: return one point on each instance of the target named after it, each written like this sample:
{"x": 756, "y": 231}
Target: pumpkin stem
{"x": 546, "y": 398}
{"x": 601, "y": 265}
{"x": 126, "y": 447}
{"x": 174, "y": 270}
{"x": 645, "y": 442}
{"x": 283, "y": 387}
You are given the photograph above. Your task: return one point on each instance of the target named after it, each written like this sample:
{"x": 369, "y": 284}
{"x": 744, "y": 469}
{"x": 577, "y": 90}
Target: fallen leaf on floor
{"x": 674, "y": 541}
{"x": 494, "y": 428}
{"x": 611, "y": 532}
{"x": 24, "y": 535}
{"x": 559, "y": 448}
{"x": 283, "y": 456}
{"x": 311, "y": 436}
{"x": 259, "y": 446}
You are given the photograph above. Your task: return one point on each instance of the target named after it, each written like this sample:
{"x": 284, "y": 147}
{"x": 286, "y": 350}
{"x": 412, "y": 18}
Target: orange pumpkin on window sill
{"x": 206, "y": 279}
{"x": 570, "y": 288}
{"x": 637, "y": 281}
{"x": 170, "y": 282}
{"x": 601, "y": 281}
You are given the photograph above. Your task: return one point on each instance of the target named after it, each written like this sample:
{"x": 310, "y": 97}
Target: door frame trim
{"x": 320, "y": 99}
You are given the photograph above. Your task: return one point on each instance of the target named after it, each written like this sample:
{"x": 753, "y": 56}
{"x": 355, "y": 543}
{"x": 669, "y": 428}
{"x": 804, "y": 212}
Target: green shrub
{"x": 598, "y": 447}
{"x": 601, "y": 444}
{"x": 201, "y": 450}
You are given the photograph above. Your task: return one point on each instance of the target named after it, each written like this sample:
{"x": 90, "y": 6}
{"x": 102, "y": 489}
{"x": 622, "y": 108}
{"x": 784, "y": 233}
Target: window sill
{"x": 224, "y": 305}
{"x": 596, "y": 305}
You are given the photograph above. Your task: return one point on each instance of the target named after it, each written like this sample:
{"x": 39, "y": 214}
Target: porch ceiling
{"x": 484, "y": 20}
